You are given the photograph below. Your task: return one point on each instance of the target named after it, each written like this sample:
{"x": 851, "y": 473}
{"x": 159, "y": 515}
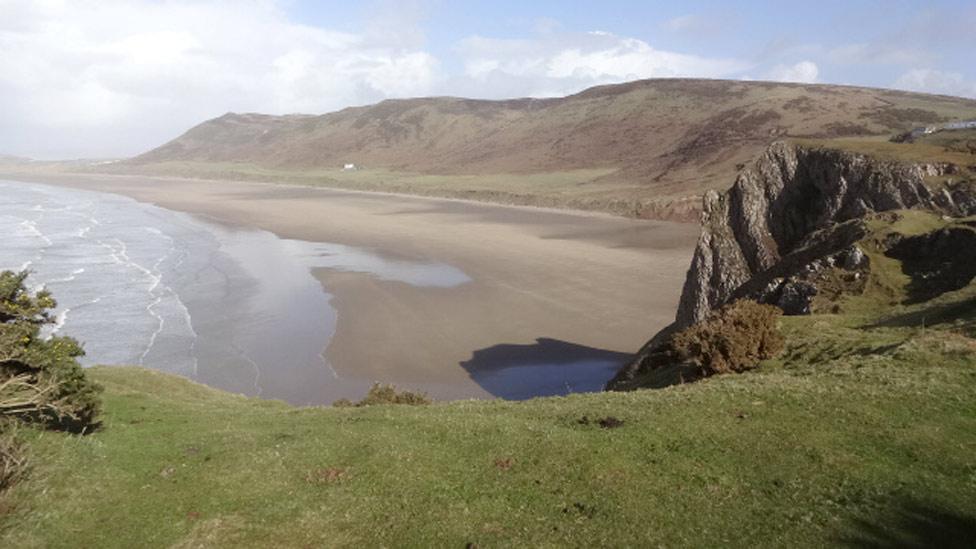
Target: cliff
{"x": 789, "y": 195}
{"x": 795, "y": 214}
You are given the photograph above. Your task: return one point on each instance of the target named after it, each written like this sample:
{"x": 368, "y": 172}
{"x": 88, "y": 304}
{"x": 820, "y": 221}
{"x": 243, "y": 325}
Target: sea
{"x": 233, "y": 308}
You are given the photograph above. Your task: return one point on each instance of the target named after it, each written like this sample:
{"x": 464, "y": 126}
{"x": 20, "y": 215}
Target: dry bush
{"x": 386, "y": 394}
{"x": 734, "y": 338}
{"x": 13, "y": 458}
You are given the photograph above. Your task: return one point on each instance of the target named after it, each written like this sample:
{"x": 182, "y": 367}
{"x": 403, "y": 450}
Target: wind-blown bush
{"x": 386, "y": 394}
{"x": 40, "y": 378}
{"x": 734, "y": 338}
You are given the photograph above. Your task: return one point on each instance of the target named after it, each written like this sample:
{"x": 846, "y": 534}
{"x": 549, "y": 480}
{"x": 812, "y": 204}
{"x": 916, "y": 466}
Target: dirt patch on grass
{"x": 504, "y": 464}
{"x": 609, "y": 422}
{"x": 326, "y": 475}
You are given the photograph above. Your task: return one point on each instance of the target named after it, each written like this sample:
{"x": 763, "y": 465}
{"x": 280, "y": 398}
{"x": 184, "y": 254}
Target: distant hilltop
{"x": 633, "y": 148}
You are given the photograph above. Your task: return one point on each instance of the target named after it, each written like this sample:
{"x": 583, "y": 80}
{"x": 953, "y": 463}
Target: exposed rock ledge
{"x": 793, "y": 206}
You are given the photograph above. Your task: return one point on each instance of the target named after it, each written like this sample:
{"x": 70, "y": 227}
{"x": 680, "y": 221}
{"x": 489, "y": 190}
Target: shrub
{"x": 386, "y": 394}
{"x": 40, "y": 378}
{"x": 734, "y": 338}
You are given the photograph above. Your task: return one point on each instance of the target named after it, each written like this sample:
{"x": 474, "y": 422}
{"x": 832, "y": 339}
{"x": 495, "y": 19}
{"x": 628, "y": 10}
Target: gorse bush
{"x": 386, "y": 394}
{"x": 40, "y": 379}
{"x": 734, "y": 338}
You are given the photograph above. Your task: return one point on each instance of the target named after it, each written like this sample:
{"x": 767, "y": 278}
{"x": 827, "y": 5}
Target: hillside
{"x": 646, "y": 148}
{"x": 863, "y": 442}
{"x": 858, "y": 434}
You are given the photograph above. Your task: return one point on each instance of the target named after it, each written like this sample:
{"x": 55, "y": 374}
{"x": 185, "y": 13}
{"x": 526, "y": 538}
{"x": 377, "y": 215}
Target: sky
{"x": 109, "y": 78}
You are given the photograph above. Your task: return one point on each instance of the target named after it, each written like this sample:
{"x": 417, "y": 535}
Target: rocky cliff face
{"x": 796, "y": 212}
{"x": 785, "y": 201}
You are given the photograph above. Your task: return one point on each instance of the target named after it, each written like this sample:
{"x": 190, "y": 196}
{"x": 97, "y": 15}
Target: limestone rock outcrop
{"x": 788, "y": 195}
{"x": 797, "y": 210}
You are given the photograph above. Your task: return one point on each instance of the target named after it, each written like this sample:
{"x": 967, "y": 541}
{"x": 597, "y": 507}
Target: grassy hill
{"x": 859, "y": 434}
{"x": 646, "y": 148}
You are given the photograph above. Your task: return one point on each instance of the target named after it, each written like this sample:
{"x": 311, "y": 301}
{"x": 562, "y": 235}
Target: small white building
{"x": 962, "y": 125}
{"x": 349, "y": 167}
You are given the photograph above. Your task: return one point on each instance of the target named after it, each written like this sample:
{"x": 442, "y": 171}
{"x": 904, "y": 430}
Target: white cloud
{"x": 117, "y": 77}
{"x": 805, "y": 72}
{"x": 556, "y": 64}
{"x": 935, "y": 81}
{"x": 112, "y": 70}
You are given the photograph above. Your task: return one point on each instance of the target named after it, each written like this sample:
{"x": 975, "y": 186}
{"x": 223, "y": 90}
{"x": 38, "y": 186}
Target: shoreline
{"x": 590, "y": 281}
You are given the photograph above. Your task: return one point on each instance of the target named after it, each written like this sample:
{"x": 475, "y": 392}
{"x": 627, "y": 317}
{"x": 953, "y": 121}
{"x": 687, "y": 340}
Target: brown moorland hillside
{"x": 648, "y": 148}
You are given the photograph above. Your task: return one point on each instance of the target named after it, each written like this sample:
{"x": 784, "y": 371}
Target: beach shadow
{"x": 547, "y": 367}
{"x": 914, "y": 525}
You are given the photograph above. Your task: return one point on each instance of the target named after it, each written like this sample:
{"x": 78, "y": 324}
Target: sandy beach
{"x": 547, "y": 286}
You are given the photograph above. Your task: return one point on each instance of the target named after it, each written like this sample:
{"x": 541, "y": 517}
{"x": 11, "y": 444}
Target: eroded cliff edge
{"x": 794, "y": 213}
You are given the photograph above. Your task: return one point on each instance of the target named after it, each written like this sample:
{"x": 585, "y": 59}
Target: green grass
{"x": 861, "y": 432}
{"x": 947, "y": 147}
{"x": 881, "y": 147}
{"x": 908, "y": 223}
{"x": 853, "y": 426}
{"x": 886, "y": 287}
{"x": 955, "y": 139}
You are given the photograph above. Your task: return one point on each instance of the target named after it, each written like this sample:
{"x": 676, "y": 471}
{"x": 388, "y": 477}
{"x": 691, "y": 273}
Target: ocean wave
{"x": 31, "y": 227}
{"x": 151, "y": 309}
{"x": 42, "y": 208}
{"x": 70, "y": 278}
{"x": 59, "y": 320}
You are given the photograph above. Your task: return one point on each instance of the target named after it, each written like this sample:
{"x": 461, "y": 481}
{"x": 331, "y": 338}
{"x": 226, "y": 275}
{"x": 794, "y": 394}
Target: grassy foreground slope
{"x": 863, "y": 432}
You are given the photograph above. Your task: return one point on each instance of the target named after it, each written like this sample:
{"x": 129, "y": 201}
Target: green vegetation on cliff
{"x": 860, "y": 432}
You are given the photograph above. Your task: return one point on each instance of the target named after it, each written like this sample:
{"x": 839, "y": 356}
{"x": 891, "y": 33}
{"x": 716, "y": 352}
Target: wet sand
{"x": 548, "y": 287}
